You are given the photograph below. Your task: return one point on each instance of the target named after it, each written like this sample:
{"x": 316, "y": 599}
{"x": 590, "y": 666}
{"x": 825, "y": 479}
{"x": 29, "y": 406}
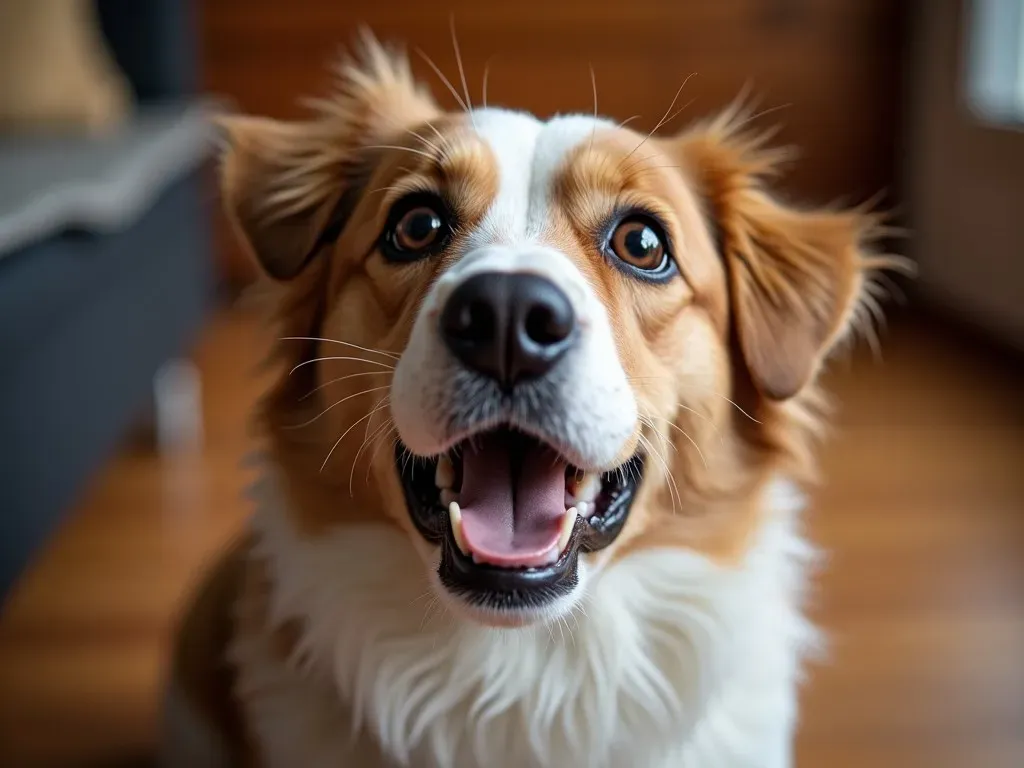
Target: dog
{"x": 533, "y": 469}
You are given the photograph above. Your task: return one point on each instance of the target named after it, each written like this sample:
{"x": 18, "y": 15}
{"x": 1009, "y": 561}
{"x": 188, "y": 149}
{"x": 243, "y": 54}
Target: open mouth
{"x": 512, "y": 515}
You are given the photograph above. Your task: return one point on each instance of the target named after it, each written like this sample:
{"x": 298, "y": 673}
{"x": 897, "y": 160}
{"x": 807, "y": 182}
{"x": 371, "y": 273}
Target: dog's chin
{"x": 468, "y": 607}
{"x": 510, "y": 520}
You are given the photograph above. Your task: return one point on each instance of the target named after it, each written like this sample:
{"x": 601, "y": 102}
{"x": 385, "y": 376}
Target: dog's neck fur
{"x": 670, "y": 658}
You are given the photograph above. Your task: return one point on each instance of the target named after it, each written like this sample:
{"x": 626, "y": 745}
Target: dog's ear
{"x": 289, "y": 186}
{"x": 795, "y": 276}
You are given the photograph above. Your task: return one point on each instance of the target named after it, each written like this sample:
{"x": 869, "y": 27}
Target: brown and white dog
{"x": 529, "y": 492}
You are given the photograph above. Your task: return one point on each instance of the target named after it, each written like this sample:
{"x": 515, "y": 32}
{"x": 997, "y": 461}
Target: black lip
{"x": 488, "y": 586}
{"x": 497, "y": 588}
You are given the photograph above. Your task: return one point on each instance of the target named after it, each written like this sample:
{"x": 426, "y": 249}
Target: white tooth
{"x": 444, "y": 475}
{"x": 583, "y": 508}
{"x": 455, "y": 517}
{"x": 588, "y": 488}
{"x": 568, "y": 522}
{"x": 448, "y": 497}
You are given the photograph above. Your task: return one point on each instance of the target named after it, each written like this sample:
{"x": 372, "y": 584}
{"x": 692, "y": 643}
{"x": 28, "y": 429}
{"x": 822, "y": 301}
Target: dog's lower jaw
{"x": 562, "y": 609}
{"x": 676, "y": 662}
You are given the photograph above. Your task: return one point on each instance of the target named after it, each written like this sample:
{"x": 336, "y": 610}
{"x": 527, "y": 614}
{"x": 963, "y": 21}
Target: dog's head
{"x": 534, "y": 346}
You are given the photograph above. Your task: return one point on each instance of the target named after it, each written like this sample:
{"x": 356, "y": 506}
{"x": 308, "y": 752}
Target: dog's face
{"x": 549, "y": 343}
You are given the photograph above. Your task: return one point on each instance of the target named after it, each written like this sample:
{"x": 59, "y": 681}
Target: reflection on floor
{"x": 923, "y": 595}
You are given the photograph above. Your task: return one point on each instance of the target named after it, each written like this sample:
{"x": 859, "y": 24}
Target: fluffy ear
{"x": 289, "y": 186}
{"x": 796, "y": 276}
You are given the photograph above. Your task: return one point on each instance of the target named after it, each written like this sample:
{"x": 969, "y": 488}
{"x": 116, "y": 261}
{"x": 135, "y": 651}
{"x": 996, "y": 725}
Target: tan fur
{"x": 722, "y": 362}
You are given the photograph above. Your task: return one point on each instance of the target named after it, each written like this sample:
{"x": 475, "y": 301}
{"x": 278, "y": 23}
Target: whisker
{"x": 345, "y": 343}
{"x": 316, "y": 389}
{"x": 436, "y": 149}
{"x": 353, "y": 359}
{"x": 569, "y": 629}
{"x": 380, "y": 443}
{"x": 437, "y": 133}
{"x": 647, "y": 421}
{"x": 380, "y": 400}
{"x": 428, "y": 612}
{"x": 440, "y": 74}
{"x": 355, "y": 461}
{"x": 678, "y": 112}
{"x": 681, "y": 431}
{"x": 402, "y": 149}
{"x": 706, "y": 418}
{"x": 636, "y": 162}
{"x": 664, "y": 118}
{"x": 424, "y": 596}
{"x": 345, "y": 433}
{"x": 629, "y": 120}
{"x": 673, "y": 488}
{"x": 462, "y": 70}
{"x": 406, "y": 458}
{"x": 736, "y": 407}
{"x": 593, "y": 84}
{"x": 487, "y": 72}
{"x": 335, "y": 405}
{"x": 762, "y": 113}
{"x": 623, "y": 477}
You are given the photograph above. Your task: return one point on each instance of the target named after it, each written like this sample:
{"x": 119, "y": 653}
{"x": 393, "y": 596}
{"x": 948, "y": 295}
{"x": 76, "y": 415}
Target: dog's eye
{"x": 418, "y": 229}
{"x": 639, "y": 243}
{"x": 417, "y": 226}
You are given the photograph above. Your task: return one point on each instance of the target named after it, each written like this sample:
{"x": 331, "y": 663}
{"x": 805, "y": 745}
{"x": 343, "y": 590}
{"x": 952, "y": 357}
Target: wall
{"x": 965, "y": 183}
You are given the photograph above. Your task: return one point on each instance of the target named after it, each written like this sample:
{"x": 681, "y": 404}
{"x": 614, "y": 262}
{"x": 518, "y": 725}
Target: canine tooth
{"x": 583, "y": 508}
{"x": 552, "y": 555}
{"x": 455, "y": 517}
{"x": 588, "y": 488}
{"x": 444, "y": 475}
{"x": 568, "y": 522}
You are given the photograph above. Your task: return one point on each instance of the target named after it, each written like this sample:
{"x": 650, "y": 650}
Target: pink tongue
{"x": 511, "y": 515}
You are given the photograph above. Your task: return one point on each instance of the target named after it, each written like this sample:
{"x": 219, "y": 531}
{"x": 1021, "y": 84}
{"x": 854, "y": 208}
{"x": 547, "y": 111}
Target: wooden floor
{"x": 923, "y": 594}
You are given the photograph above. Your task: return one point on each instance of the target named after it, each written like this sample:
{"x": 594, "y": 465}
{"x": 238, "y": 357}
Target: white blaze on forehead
{"x": 529, "y": 153}
{"x": 590, "y": 395}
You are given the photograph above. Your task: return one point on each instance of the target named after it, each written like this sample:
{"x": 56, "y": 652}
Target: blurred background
{"x": 129, "y": 340}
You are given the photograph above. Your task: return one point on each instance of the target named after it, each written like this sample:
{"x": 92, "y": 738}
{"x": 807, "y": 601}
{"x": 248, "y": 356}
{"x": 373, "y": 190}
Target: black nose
{"x": 509, "y": 327}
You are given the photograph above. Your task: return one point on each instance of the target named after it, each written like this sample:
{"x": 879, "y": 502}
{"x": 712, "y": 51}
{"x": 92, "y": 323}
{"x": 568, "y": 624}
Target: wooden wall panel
{"x": 835, "y": 63}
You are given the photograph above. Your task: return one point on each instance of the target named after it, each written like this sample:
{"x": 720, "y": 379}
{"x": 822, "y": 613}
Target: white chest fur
{"x": 671, "y": 661}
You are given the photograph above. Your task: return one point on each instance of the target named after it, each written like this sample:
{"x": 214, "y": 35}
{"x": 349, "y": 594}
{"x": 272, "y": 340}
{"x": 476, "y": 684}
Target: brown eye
{"x": 638, "y": 243}
{"x": 418, "y": 226}
{"x": 418, "y": 229}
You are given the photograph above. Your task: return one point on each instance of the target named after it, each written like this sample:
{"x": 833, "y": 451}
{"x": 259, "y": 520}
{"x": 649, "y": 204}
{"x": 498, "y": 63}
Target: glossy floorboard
{"x": 923, "y": 593}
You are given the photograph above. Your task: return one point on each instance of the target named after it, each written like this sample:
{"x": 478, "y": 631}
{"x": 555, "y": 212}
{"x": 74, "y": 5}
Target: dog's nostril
{"x": 546, "y": 325}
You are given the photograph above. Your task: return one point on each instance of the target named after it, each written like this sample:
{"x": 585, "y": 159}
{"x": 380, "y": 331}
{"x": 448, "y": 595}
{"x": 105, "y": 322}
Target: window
{"x": 995, "y": 60}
